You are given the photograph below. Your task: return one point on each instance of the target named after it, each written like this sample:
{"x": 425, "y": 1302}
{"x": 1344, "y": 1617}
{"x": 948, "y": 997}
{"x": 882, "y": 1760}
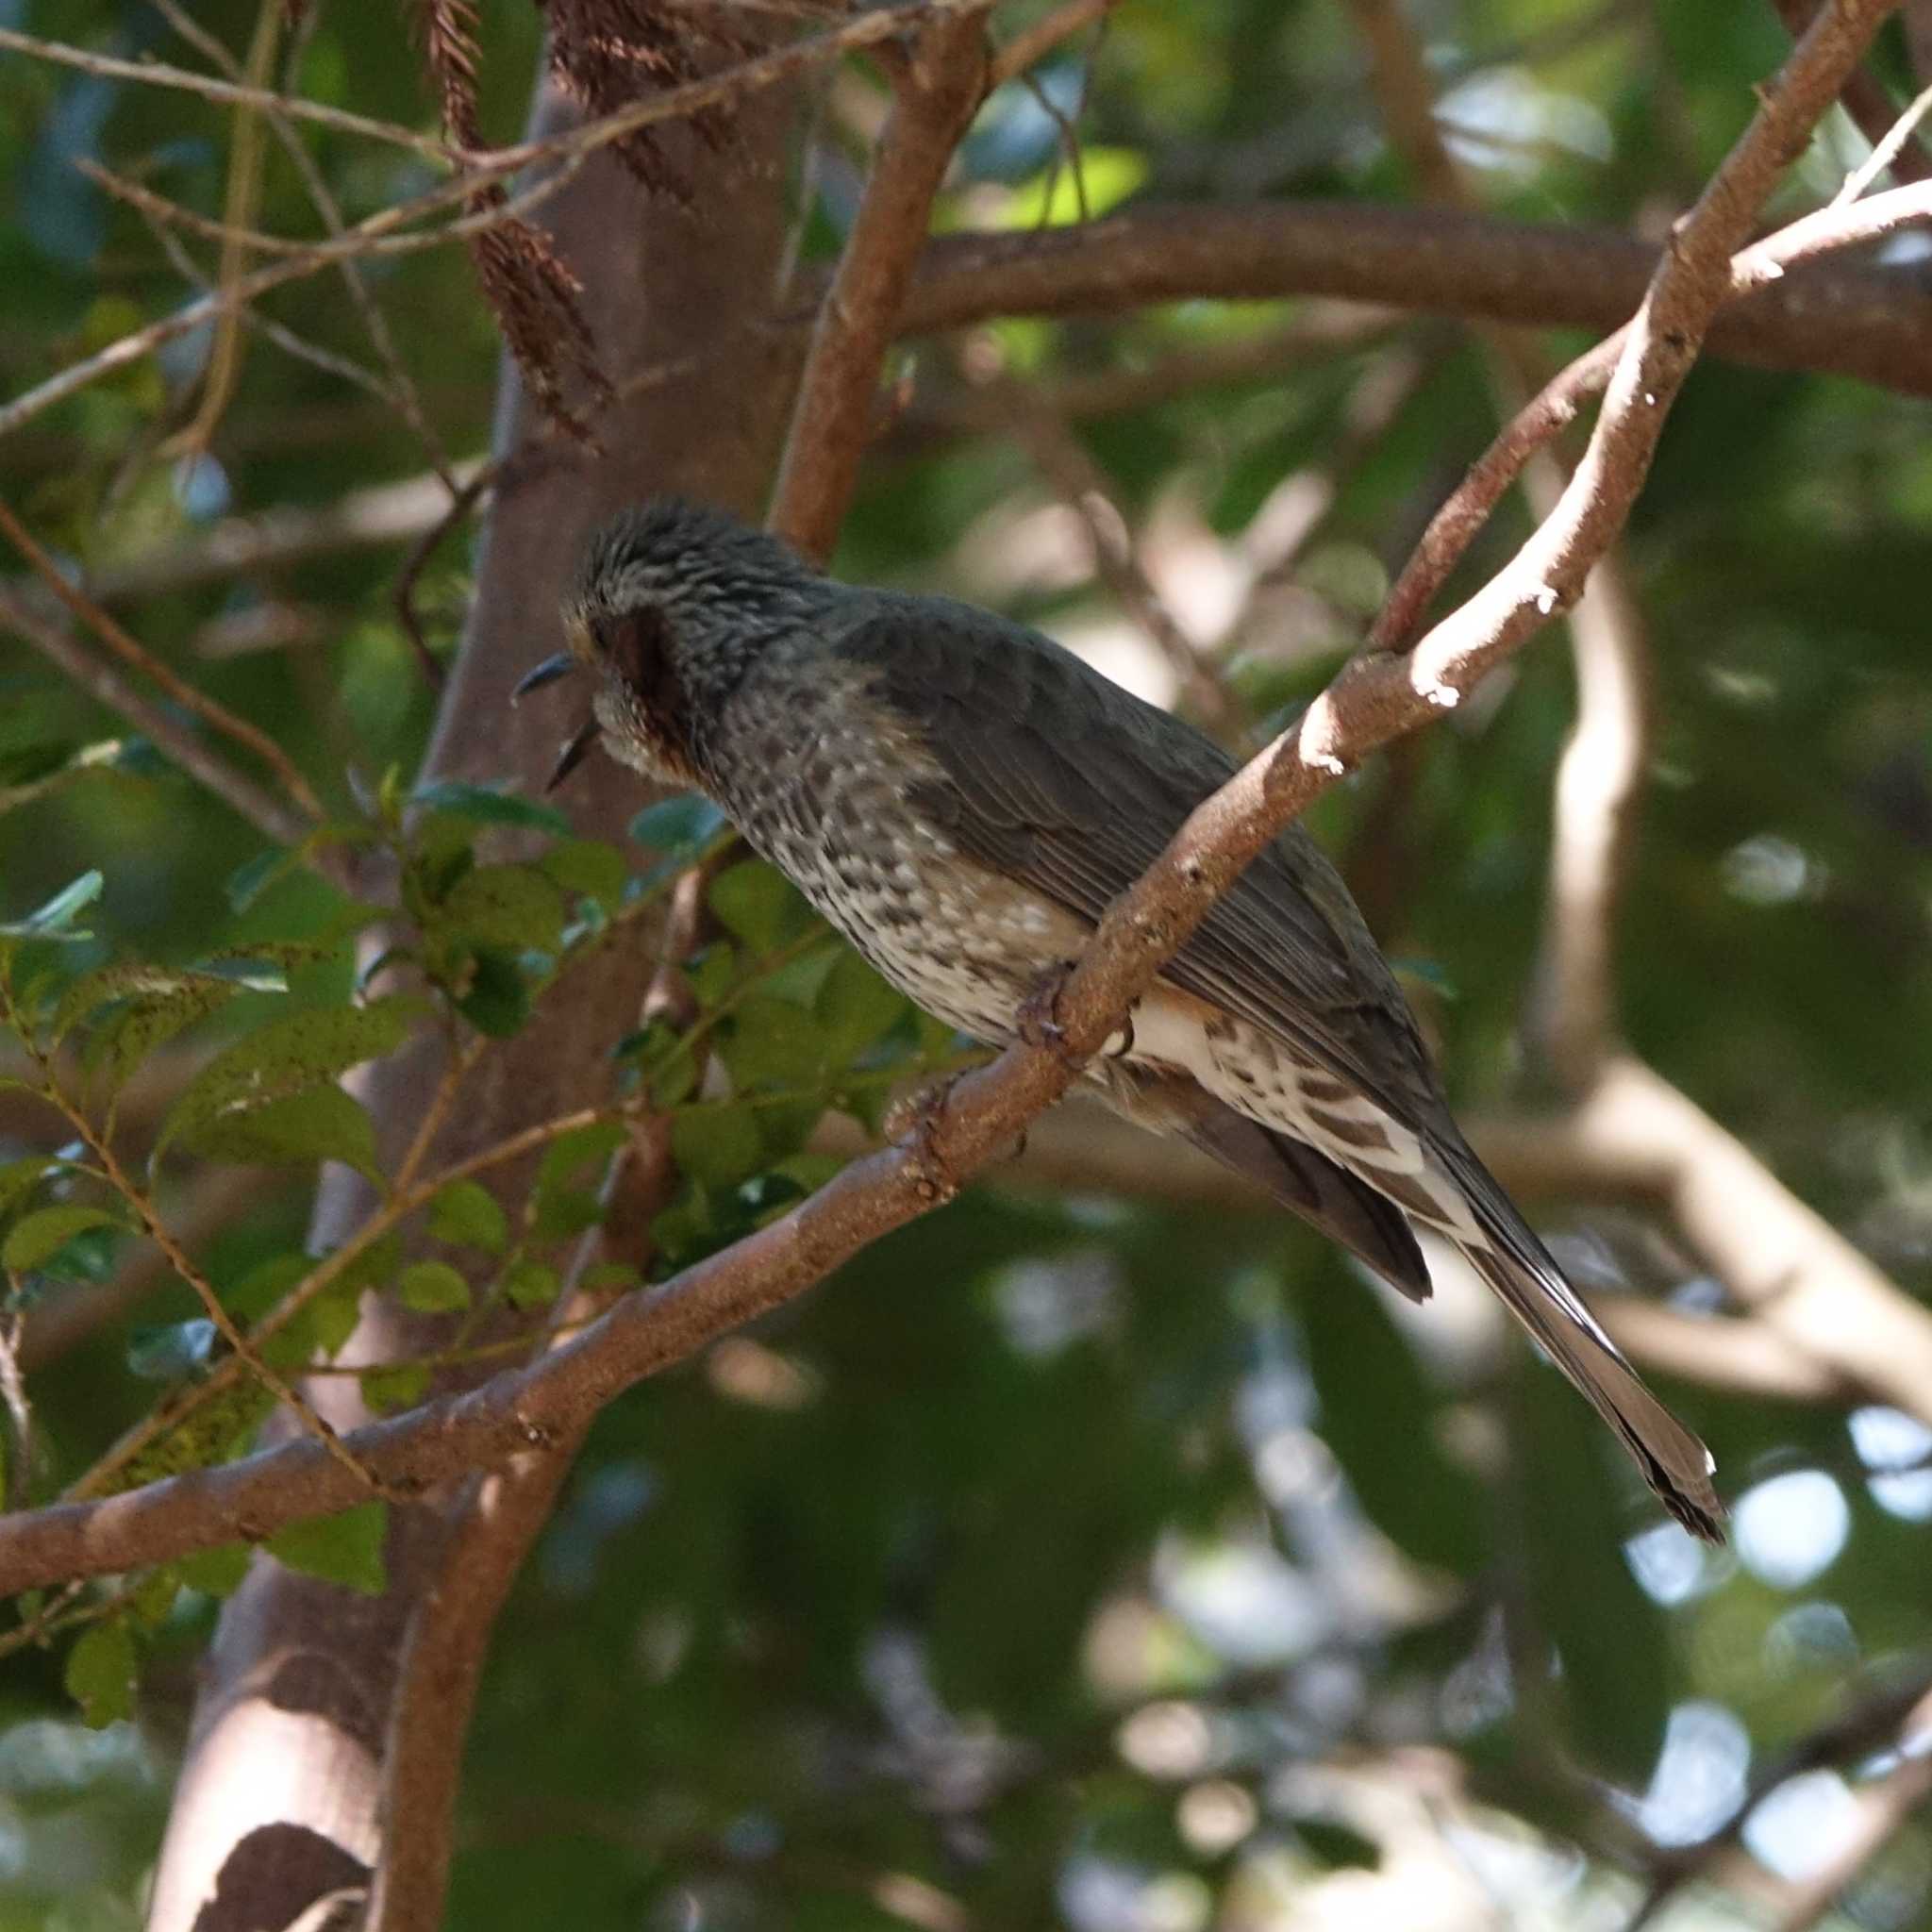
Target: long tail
{"x": 1511, "y": 1258}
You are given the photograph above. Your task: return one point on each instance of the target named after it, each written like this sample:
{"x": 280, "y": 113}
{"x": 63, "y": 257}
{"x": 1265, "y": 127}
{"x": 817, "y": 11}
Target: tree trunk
{"x": 281, "y": 1800}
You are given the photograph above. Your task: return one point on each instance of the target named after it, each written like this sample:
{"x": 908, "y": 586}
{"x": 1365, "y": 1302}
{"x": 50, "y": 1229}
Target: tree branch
{"x": 938, "y": 84}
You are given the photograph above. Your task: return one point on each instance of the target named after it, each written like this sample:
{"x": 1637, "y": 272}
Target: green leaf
{"x": 588, "y": 868}
{"x": 855, "y": 1006}
{"x": 289, "y": 1054}
{"x": 433, "y": 1288}
{"x": 504, "y": 908}
{"x": 218, "y": 1572}
{"x": 717, "y": 1145}
{"x": 711, "y": 971}
{"x": 345, "y": 1549}
{"x": 770, "y": 1042}
{"x": 154, "y": 1013}
{"x": 497, "y": 998}
{"x": 36, "y": 1238}
{"x": 402, "y": 1385}
{"x": 680, "y": 827}
{"x": 559, "y": 1208}
{"x": 152, "y": 1597}
{"x": 487, "y": 805}
{"x": 1365, "y": 1372}
{"x": 324, "y": 1124}
{"x": 99, "y": 1674}
{"x": 530, "y": 1284}
{"x": 172, "y": 1351}
{"x": 759, "y": 903}
{"x": 55, "y": 919}
{"x": 18, "y": 1180}
{"x": 466, "y": 1214}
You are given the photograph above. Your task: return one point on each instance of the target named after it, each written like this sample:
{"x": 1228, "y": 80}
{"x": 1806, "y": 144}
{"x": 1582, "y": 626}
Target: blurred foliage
{"x": 1077, "y": 1561}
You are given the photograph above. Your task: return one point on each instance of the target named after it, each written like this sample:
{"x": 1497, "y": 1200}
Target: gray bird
{"x": 962, "y": 798}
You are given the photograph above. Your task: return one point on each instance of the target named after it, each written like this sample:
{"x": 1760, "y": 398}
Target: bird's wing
{"x": 1057, "y": 776}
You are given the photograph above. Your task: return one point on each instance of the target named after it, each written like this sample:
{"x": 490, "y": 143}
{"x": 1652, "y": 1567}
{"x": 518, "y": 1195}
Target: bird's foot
{"x": 912, "y": 1124}
{"x": 1038, "y": 1022}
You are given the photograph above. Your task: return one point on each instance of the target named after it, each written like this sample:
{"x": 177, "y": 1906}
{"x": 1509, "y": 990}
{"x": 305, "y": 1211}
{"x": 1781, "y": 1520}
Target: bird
{"x": 962, "y": 798}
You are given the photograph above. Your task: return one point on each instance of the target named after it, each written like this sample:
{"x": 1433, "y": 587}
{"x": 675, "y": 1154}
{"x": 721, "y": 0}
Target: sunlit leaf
{"x": 55, "y": 919}
{"x": 99, "y": 1673}
{"x": 432, "y": 1288}
{"x": 467, "y": 1214}
{"x": 218, "y": 1572}
{"x": 345, "y": 1549}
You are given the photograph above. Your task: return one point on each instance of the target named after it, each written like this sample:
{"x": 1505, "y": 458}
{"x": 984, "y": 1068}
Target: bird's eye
{"x": 632, "y": 642}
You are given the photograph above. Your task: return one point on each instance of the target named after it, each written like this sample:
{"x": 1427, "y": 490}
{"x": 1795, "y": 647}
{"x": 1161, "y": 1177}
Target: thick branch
{"x": 1870, "y": 322}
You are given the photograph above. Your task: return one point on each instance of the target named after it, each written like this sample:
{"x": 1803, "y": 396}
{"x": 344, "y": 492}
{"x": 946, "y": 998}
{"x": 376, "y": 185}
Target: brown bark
{"x": 280, "y": 1801}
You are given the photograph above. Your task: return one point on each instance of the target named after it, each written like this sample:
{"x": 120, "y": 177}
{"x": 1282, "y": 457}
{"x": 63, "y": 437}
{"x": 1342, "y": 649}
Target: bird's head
{"x": 670, "y": 605}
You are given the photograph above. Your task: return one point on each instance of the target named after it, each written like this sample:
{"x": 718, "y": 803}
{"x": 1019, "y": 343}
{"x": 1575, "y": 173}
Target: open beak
{"x": 546, "y": 673}
{"x": 572, "y": 756}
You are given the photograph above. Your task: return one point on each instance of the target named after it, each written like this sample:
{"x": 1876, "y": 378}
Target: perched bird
{"x": 962, "y": 798}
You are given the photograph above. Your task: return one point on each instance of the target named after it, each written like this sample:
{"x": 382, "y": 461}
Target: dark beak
{"x": 573, "y": 754}
{"x": 546, "y": 673}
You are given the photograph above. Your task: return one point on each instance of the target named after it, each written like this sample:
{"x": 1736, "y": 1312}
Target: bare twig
{"x": 1559, "y": 402}
{"x": 378, "y": 234}
{"x": 1865, "y": 99}
{"x": 228, "y": 93}
{"x": 935, "y": 90}
{"x": 1079, "y": 482}
{"x": 101, "y": 681}
{"x": 1029, "y": 48}
{"x": 375, "y": 323}
{"x": 123, "y": 646}
{"x": 241, "y": 197}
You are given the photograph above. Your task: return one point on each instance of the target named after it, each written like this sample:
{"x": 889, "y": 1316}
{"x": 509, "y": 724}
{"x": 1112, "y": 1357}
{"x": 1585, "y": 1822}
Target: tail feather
{"x": 1674, "y": 1462}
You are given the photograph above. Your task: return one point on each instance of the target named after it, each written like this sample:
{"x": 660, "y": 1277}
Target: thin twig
{"x": 177, "y": 1258}
{"x": 102, "y": 682}
{"x": 1026, "y": 49}
{"x": 404, "y": 394}
{"x": 1079, "y": 482}
{"x": 118, "y": 639}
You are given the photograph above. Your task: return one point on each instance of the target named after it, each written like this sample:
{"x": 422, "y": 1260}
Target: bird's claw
{"x": 1038, "y": 1020}
{"x": 912, "y": 1124}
